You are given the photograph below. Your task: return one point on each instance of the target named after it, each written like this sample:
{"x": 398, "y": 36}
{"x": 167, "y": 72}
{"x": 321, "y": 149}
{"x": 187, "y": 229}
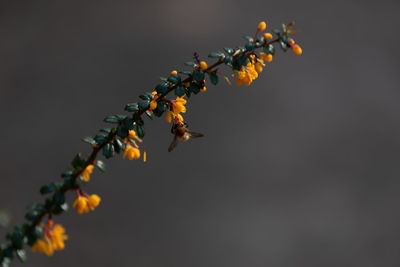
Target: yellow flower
{"x": 297, "y": 50}
{"x": 291, "y": 41}
{"x": 81, "y": 205}
{"x": 178, "y": 106}
{"x": 174, "y": 72}
{"x": 261, "y": 26}
{"x": 53, "y": 239}
{"x": 85, "y": 204}
{"x": 266, "y": 57}
{"x": 267, "y": 36}
{"x": 203, "y": 65}
{"x": 247, "y": 74}
{"x": 131, "y": 152}
{"x": 132, "y": 134}
{"x": 169, "y": 116}
{"x": 144, "y": 156}
{"x": 203, "y": 89}
{"x": 93, "y": 201}
{"x": 153, "y": 105}
{"x": 86, "y": 173}
{"x": 153, "y": 102}
{"x": 258, "y": 67}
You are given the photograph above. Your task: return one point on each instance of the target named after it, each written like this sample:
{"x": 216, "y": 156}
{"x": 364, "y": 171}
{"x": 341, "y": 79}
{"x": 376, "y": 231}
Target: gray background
{"x": 300, "y": 169}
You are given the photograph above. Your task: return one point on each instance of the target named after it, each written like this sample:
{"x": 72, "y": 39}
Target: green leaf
{"x": 67, "y": 173}
{"x": 216, "y": 55}
{"x": 58, "y": 209}
{"x": 162, "y": 88}
{"x": 100, "y": 164}
{"x": 140, "y": 131}
{"x": 194, "y": 88}
{"x": 248, "y": 38}
{"x": 270, "y": 49}
{"x": 190, "y": 64}
{"x": 229, "y": 50}
{"x": 249, "y": 46}
{"x": 161, "y": 108}
{"x": 198, "y": 76}
{"x": 46, "y": 189}
{"x": 78, "y": 161}
{"x": 283, "y": 27}
{"x": 58, "y": 198}
{"x": 21, "y": 255}
{"x": 180, "y": 91}
{"x": 100, "y": 138}
{"x": 144, "y": 104}
{"x": 106, "y": 130}
{"x": 214, "y": 77}
{"x": 111, "y": 119}
{"x": 108, "y": 150}
{"x": 117, "y": 145}
{"x": 185, "y": 72}
{"x": 228, "y": 60}
{"x": 132, "y": 107}
{"x": 149, "y": 114}
{"x": 146, "y": 96}
{"x": 175, "y": 79}
{"x": 283, "y": 46}
{"x": 122, "y": 131}
{"x": 88, "y": 140}
{"x": 277, "y": 32}
{"x": 31, "y": 215}
{"x": 163, "y": 79}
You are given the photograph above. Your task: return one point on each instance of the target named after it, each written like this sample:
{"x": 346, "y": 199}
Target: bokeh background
{"x": 299, "y": 169}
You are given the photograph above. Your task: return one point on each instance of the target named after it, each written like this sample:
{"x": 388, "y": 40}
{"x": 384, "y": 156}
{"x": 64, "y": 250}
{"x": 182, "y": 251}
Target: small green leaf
{"x": 277, "y": 32}
{"x": 190, "y": 64}
{"x": 194, "y": 88}
{"x": 162, "y": 88}
{"x": 175, "y": 79}
{"x": 228, "y": 60}
{"x": 270, "y": 49}
{"x": 283, "y": 46}
{"x": 58, "y": 198}
{"x": 31, "y": 215}
{"x": 46, "y": 189}
{"x": 100, "y": 164}
{"x": 122, "y": 131}
{"x": 88, "y": 140}
{"x": 185, "y": 72}
{"x": 144, "y": 104}
{"x": 58, "y": 209}
{"x": 108, "y": 150}
{"x": 106, "y": 130}
{"x": 78, "y": 161}
{"x": 132, "y": 107}
{"x": 146, "y": 96}
{"x": 100, "y": 138}
{"x": 66, "y": 174}
{"x": 229, "y": 50}
{"x": 161, "y": 108}
{"x": 216, "y": 55}
{"x": 198, "y": 76}
{"x": 248, "y": 38}
{"x": 249, "y": 46}
{"x": 140, "y": 131}
{"x": 149, "y": 114}
{"x": 180, "y": 91}
{"x": 111, "y": 119}
{"x": 163, "y": 79}
{"x": 214, "y": 77}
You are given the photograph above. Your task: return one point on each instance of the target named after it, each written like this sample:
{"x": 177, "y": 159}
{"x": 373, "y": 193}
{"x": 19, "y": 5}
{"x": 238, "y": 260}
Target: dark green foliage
{"x": 108, "y": 150}
{"x": 180, "y": 91}
{"x": 198, "y": 75}
{"x": 214, "y": 77}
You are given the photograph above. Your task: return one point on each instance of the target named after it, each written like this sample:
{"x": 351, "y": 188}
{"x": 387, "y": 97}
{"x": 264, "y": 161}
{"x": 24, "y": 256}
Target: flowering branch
{"x": 41, "y": 234}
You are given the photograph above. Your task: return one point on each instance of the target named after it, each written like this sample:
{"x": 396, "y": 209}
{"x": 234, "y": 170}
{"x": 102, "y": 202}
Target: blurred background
{"x": 299, "y": 169}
